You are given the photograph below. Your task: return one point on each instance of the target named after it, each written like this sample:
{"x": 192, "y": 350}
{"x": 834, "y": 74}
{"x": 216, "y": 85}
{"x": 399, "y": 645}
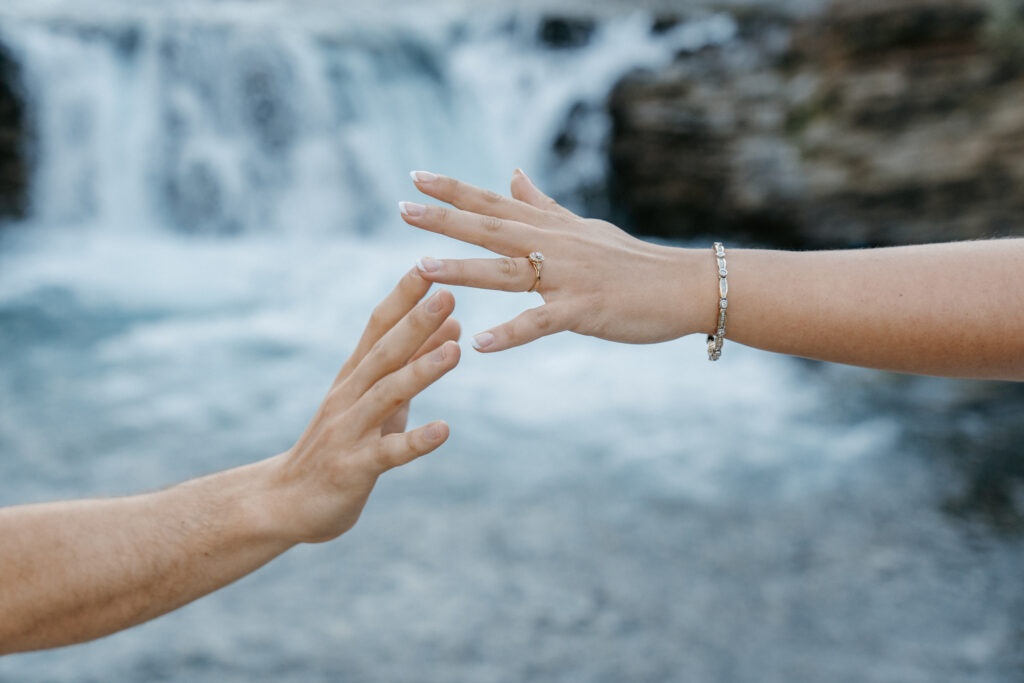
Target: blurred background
{"x": 199, "y": 214}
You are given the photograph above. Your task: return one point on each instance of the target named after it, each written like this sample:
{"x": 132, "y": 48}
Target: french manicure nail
{"x": 483, "y": 340}
{"x": 428, "y": 265}
{"x": 434, "y": 302}
{"x": 423, "y": 176}
{"x": 411, "y": 209}
{"x": 439, "y": 354}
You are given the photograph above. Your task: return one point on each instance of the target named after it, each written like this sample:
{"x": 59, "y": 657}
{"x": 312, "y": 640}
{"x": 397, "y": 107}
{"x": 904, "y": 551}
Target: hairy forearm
{"x": 79, "y": 570}
{"x": 948, "y": 309}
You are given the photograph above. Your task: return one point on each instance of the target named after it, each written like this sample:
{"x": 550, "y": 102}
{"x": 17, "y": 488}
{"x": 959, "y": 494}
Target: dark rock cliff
{"x": 875, "y": 122}
{"x": 14, "y": 173}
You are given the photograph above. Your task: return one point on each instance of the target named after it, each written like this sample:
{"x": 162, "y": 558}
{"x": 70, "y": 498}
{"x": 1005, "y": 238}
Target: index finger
{"x": 477, "y": 200}
{"x": 502, "y": 236}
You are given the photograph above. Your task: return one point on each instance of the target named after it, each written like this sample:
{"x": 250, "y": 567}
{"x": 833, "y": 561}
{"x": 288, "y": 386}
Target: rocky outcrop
{"x": 875, "y": 122}
{"x": 13, "y": 167}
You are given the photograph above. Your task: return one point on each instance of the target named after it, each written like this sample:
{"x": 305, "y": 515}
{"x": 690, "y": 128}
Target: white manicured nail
{"x": 428, "y": 265}
{"x": 422, "y": 176}
{"x": 411, "y": 208}
{"x": 483, "y": 340}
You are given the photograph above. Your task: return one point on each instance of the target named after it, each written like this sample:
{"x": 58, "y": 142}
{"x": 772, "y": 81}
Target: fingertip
{"x": 438, "y": 432}
{"x": 484, "y": 342}
{"x": 446, "y": 296}
{"x": 453, "y": 351}
{"x": 427, "y": 265}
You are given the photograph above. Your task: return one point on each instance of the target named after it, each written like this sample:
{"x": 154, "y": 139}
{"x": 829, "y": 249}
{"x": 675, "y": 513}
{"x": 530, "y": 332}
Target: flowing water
{"x": 213, "y": 218}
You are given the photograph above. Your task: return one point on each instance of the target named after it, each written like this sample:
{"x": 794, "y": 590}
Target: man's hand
{"x": 321, "y": 485}
{"x": 78, "y": 570}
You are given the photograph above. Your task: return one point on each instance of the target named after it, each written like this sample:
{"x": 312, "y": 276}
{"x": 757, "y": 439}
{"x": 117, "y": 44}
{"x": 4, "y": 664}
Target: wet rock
{"x": 869, "y": 123}
{"x": 14, "y": 172}
{"x": 561, "y": 32}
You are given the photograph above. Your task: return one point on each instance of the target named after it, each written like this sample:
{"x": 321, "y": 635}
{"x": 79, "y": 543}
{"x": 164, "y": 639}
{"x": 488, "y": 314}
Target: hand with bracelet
{"x": 952, "y": 309}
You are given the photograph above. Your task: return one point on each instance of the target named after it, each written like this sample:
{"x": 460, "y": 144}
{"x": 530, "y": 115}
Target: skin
{"x": 78, "y": 570}
{"x": 943, "y": 309}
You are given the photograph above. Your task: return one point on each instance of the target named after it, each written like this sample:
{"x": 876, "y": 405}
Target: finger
{"x": 387, "y": 395}
{"x": 396, "y": 450}
{"x": 397, "y": 346}
{"x": 477, "y": 200}
{"x": 503, "y": 274}
{"x": 450, "y": 330}
{"x": 527, "y": 326}
{"x": 396, "y": 423}
{"x": 501, "y": 236}
{"x": 409, "y": 290}
{"x": 525, "y": 191}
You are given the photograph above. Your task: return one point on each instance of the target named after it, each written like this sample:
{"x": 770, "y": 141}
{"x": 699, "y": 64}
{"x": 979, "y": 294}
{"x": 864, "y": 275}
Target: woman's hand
{"x": 319, "y": 487}
{"x": 596, "y": 279}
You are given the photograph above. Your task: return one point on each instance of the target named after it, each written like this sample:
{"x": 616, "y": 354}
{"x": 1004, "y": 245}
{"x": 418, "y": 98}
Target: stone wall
{"x": 872, "y": 122}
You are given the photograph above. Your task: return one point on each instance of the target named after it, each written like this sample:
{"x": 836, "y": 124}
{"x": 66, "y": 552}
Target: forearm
{"x": 79, "y": 570}
{"x": 950, "y": 309}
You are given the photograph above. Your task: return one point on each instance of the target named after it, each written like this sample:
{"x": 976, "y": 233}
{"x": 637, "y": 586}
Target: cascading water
{"x": 212, "y": 126}
{"x": 213, "y": 217}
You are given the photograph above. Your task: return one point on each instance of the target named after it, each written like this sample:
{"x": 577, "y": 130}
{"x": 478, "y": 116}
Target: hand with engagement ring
{"x": 595, "y": 279}
{"x": 939, "y": 309}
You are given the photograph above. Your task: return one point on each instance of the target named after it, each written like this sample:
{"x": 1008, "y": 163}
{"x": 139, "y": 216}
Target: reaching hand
{"x": 322, "y": 483}
{"x": 596, "y": 279}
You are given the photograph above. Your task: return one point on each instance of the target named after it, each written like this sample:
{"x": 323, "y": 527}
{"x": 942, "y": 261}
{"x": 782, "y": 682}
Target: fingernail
{"x": 411, "y": 208}
{"x": 523, "y": 173}
{"x": 435, "y": 432}
{"x": 423, "y": 176}
{"x": 434, "y": 302}
{"x": 428, "y": 265}
{"x": 439, "y": 354}
{"x": 483, "y": 340}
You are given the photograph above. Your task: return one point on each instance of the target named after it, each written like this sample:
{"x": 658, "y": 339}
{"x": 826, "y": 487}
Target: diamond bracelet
{"x": 716, "y": 340}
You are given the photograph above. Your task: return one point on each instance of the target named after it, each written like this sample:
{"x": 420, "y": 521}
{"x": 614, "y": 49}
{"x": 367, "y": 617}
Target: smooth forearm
{"x": 79, "y": 570}
{"x": 949, "y": 309}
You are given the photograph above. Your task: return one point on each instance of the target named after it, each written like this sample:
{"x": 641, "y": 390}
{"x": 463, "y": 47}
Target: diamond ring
{"x": 537, "y": 261}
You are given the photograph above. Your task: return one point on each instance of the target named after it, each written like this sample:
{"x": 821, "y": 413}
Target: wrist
{"x": 245, "y": 501}
{"x": 693, "y": 290}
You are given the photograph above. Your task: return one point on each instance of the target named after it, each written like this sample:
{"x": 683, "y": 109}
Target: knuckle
{"x": 543, "y": 319}
{"x": 386, "y": 395}
{"x": 491, "y": 197}
{"x": 491, "y": 224}
{"x": 387, "y": 354}
{"x": 383, "y": 457}
{"x": 509, "y": 267}
{"x": 442, "y": 215}
{"x": 422, "y": 374}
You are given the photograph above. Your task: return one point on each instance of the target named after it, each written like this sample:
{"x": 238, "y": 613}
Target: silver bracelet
{"x": 716, "y": 340}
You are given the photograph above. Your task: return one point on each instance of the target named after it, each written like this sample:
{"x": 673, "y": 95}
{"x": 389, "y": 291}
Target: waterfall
{"x": 271, "y": 119}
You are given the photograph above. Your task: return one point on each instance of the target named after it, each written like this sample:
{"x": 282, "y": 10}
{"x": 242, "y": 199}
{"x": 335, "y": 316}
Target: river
{"x": 213, "y": 218}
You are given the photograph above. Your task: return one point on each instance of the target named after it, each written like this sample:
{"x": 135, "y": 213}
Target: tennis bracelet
{"x": 716, "y": 340}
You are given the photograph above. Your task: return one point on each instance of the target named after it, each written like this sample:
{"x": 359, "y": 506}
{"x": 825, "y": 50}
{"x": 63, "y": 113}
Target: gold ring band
{"x": 537, "y": 261}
